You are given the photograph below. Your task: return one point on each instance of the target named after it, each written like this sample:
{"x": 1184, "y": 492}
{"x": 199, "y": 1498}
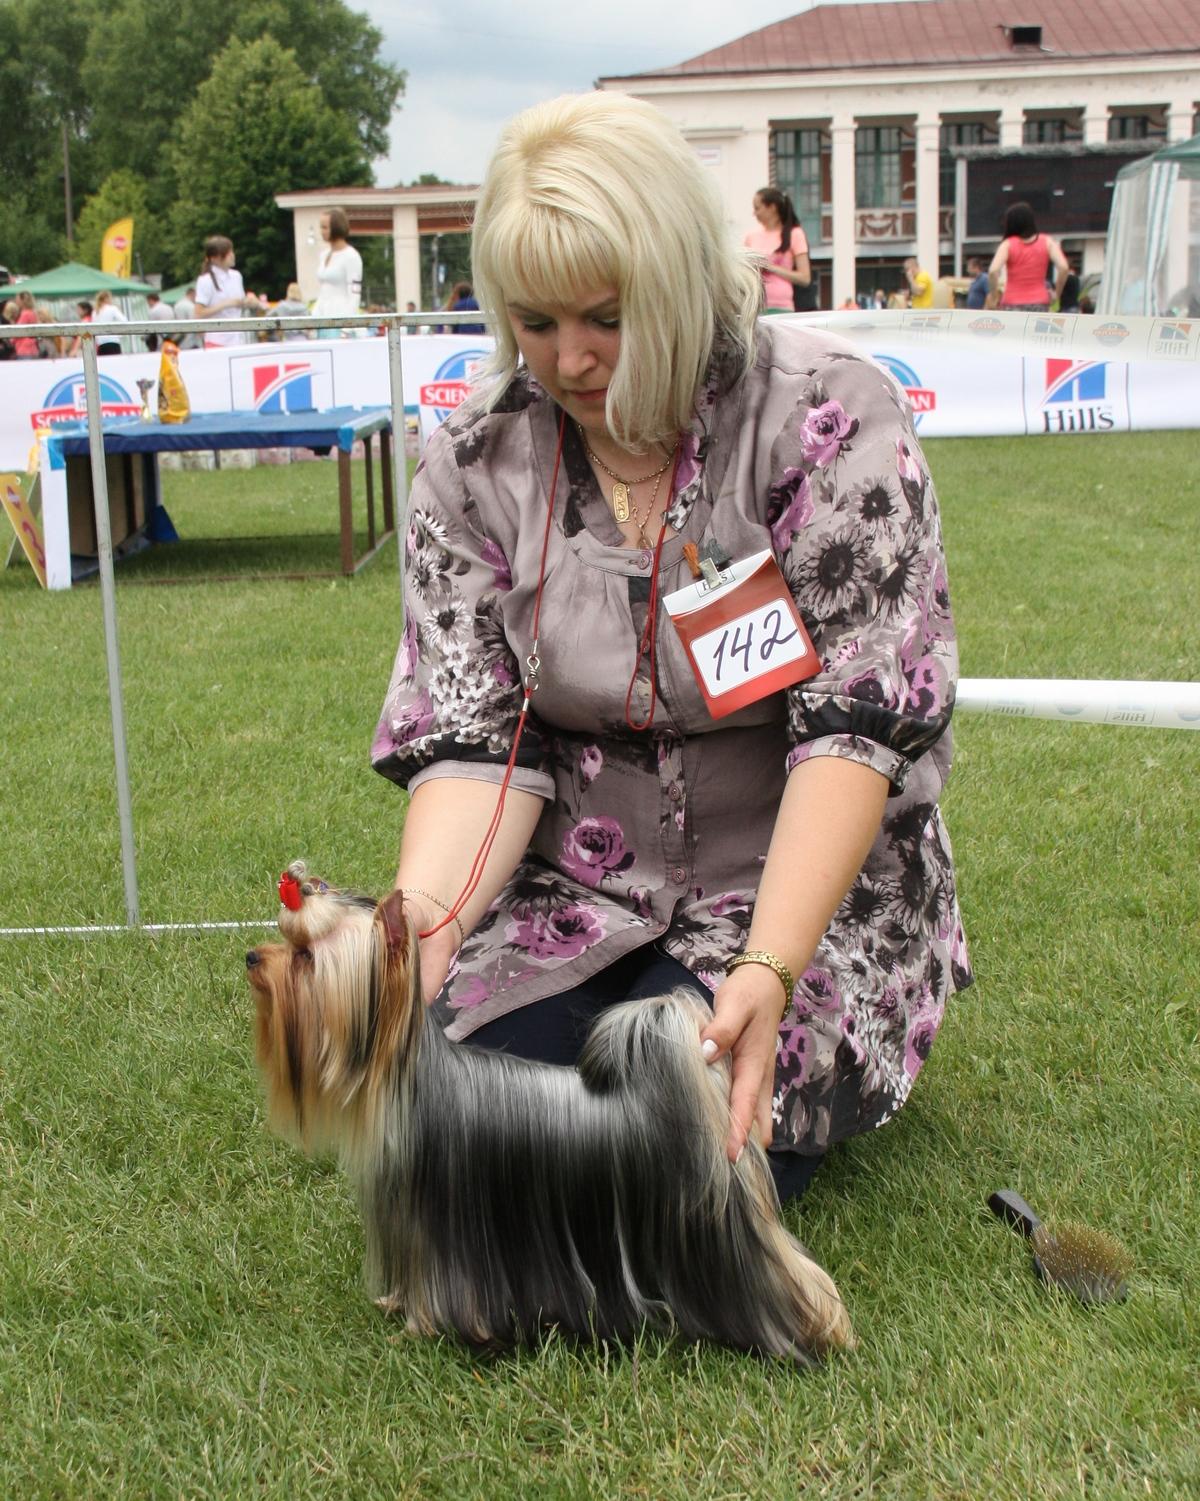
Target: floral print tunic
{"x": 660, "y": 835}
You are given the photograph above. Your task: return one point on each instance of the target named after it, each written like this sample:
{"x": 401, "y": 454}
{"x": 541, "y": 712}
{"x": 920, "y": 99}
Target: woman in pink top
{"x": 1025, "y": 257}
{"x": 783, "y": 246}
{"x": 25, "y": 349}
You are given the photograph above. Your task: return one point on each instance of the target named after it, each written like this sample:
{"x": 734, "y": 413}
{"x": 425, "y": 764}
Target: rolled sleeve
{"x": 857, "y": 535}
{"x": 455, "y": 693}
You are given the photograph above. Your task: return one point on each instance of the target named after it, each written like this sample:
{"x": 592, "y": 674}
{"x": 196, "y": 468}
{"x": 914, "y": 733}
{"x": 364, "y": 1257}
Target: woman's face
{"x": 766, "y": 213}
{"x": 325, "y": 227}
{"x": 228, "y": 260}
{"x": 572, "y": 350}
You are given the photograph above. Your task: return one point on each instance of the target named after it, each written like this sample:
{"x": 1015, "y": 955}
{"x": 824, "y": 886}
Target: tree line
{"x": 189, "y": 118}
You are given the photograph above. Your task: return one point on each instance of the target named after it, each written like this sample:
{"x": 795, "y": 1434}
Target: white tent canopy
{"x": 1152, "y": 258}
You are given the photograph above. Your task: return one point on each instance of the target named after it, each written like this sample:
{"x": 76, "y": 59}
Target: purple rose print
{"x": 826, "y": 428}
{"x": 591, "y": 760}
{"x": 593, "y": 849}
{"x": 502, "y": 674}
{"x": 689, "y": 463}
{"x": 556, "y": 935}
{"x": 869, "y": 688}
{"x": 917, "y": 1045}
{"x": 498, "y": 563}
{"x": 825, "y": 994}
{"x": 473, "y": 993}
{"x": 906, "y": 465}
{"x": 640, "y": 897}
{"x": 406, "y": 659}
{"x": 414, "y": 720}
{"x": 732, "y": 901}
{"x": 926, "y": 687}
{"x": 796, "y": 497}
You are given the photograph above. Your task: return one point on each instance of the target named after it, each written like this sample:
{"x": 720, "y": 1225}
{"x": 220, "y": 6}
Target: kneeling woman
{"x": 788, "y": 860}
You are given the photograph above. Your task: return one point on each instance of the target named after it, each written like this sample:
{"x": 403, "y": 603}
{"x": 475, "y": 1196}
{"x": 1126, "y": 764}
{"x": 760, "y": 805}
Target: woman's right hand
{"x": 438, "y": 949}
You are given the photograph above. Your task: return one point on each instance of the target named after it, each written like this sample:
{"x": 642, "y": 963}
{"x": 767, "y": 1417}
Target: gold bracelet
{"x": 417, "y": 891}
{"x": 772, "y": 961}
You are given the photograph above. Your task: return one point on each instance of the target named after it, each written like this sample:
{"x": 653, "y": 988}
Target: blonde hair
{"x": 596, "y": 190}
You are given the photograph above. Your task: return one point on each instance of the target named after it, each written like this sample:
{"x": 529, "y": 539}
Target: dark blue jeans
{"x": 553, "y": 1031}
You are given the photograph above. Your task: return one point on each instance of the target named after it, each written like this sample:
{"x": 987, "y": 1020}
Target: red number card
{"x": 743, "y": 635}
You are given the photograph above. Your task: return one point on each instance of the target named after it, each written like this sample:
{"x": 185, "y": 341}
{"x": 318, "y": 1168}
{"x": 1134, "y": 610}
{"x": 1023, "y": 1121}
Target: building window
{"x": 878, "y": 176}
{"x": 1136, "y": 127}
{"x": 960, "y": 133}
{"x": 1055, "y": 131}
{"x": 800, "y": 167}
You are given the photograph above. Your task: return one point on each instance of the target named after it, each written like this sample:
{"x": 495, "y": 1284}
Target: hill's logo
{"x": 452, "y": 382}
{"x": 1045, "y": 330}
{"x": 922, "y": 398}
{"x": 67, "y": 402}
{"x": 1076, "y": 398}
{"x": 1174, "y": 340}
{"x": 280, "y": 383}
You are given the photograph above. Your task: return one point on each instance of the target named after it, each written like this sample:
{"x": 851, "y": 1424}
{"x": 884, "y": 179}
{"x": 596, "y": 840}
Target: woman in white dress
{"x": 339, "y": 276}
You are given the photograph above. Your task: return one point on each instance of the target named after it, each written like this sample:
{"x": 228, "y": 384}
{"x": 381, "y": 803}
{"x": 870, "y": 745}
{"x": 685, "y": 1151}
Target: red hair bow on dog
{"x": 289, "y": 892}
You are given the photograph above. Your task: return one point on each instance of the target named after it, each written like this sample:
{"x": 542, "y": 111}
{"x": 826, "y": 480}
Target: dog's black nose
{"x": 253, "y": 958}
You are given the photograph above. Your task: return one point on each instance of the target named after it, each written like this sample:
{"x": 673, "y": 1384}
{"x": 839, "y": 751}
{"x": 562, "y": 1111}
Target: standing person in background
{"x": 462, "y": 300}
{"x": 339, "y": 275}
{"x": 920, "y": 283}
{"x": 977, "y": 292}
{"x": 50, "y": 346}
{"x": 783, "y": 246}
{"x": 186, "y": 308}
{"x": 1025, "y": 257}
{"x": 292, "y": 306}
{"x": 84, "y": 310}
{"x": 107, "y": 312}
{"x": 220, "y": 292}
{"x": 25, "y": 349}
{"x": 8, "y": 314}
{"x": 158, "y": 312}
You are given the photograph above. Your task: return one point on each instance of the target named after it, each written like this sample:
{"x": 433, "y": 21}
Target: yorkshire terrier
{"x": 503, "y": 1198}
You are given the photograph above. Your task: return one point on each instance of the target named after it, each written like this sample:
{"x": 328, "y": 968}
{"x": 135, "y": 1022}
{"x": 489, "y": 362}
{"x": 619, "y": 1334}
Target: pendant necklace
{"x": 621, "y": 487}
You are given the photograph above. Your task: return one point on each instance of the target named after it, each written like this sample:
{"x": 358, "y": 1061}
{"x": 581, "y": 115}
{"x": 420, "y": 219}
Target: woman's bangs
{"x": 541, "y": 257}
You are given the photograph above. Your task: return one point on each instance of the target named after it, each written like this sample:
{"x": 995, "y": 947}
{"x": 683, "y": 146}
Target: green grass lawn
{"x": 181, "y": 1310}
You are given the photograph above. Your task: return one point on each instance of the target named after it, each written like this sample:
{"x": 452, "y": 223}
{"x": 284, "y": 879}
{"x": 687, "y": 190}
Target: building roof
{"x": 940, "y": 32}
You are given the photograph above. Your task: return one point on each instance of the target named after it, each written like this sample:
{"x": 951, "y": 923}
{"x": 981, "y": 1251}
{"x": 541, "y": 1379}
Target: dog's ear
{"x": 395, "y": 924}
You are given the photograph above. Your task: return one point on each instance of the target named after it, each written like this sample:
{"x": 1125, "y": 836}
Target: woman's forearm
{"x": 447, "y": 820}
{"x": 827, "y": 821}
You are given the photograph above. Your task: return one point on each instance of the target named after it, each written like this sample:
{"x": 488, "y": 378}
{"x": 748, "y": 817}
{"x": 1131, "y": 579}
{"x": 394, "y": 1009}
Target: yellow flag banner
{"x": 17, "y": 507}
{"x": 116, "y": 249}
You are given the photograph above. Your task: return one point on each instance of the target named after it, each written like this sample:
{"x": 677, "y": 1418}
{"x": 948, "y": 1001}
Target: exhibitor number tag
{"x": 744, "y": 637}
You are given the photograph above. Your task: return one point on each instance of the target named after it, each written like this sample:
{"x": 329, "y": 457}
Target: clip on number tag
{"x": 743, "y": 636}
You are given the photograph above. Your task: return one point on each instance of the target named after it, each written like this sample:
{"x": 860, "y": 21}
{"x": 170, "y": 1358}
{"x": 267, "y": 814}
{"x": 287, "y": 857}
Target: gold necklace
{"x": 621, "y": 486}
{"x": 642, "y": 522}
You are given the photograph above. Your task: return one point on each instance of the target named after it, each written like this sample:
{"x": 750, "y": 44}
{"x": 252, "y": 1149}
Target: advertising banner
{"x": 116, "y": 249}
{"x": 967, "y": 375}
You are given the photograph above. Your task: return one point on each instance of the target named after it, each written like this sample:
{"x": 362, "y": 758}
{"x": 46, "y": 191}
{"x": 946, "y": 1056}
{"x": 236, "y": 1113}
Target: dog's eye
{"x": 302, "y": 956}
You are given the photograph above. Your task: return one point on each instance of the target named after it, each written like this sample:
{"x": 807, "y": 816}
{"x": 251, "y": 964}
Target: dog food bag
{"x": 173, "y": 404}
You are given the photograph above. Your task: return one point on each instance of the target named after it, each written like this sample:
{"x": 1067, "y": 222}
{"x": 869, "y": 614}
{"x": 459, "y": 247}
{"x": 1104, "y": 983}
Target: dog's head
{"x": 338, "y": 1003}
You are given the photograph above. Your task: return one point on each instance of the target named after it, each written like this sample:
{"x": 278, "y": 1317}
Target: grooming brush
{"x": 1088, "y": 1263}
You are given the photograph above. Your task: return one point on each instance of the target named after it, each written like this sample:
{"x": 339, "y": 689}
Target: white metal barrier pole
{"x": 1154, "y": 705}
{"x": 108, "y": 596}
{"x": 395, "y": 335}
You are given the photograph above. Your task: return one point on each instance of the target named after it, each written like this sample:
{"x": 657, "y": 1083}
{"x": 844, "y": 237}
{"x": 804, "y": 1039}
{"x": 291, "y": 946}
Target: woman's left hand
{"x": 745, "y": 1024}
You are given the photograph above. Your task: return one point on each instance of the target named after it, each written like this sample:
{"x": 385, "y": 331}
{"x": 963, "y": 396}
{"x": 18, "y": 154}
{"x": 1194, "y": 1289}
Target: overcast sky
{"x": 474, "y": 63}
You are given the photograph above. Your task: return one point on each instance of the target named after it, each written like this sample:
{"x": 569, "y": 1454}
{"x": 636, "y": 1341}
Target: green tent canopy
{"x": 74, "y": 280}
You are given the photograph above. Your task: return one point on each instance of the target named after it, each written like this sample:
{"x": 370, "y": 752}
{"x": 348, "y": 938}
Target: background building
{"x": 861, "y": 113}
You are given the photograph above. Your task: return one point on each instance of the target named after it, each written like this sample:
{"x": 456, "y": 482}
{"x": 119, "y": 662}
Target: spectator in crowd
{"x": 1024, "y": 258}
{"x": 157, "y": 311}
{"x": 84, "y": 315}
{"x": 185, "y": 307}
{"x": 339, "y": 275}
{"x": 109, "y": 313}
{"x": 920, "y": 284}
{"x": 462, "y": 300}
{"x": 782, "y": 247}
{"x": 8, "y": 314}
{"x": 292, "y": 305}
{"x": 25, "y": 349}
{"x": 50, "y": 346}
{"x": 1068, "y": 297}
{"x": 977, "y": 292}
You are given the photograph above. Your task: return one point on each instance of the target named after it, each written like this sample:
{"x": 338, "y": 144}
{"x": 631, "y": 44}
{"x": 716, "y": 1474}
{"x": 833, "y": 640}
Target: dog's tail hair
{"x": 724, "y": 1262}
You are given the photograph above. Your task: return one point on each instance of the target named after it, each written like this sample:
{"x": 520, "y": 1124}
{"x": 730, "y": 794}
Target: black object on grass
{"x": 1088, "y": 1263}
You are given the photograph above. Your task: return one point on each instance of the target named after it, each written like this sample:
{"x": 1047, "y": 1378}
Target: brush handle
{"x": 1008, "y": 1205}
